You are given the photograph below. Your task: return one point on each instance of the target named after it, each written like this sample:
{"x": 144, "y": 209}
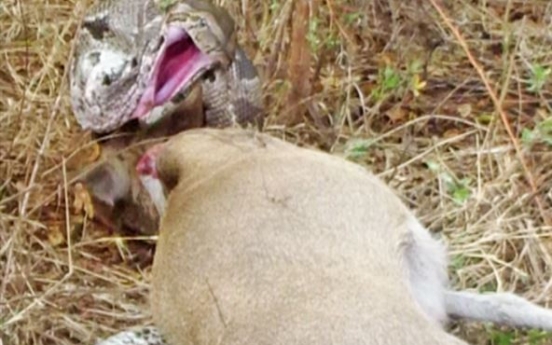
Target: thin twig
{"x": 497, "y": 104}
{"x": 40, "y": 300}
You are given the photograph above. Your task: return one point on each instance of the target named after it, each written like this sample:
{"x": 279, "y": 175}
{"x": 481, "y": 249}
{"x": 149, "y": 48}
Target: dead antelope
{"x": 262, "y": 242}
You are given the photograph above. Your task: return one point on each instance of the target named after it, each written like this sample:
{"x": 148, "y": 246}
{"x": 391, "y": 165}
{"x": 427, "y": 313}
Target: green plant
{"x": 542, "y": 132}
{"x": 502, "y": 338}
{"x": 539, "y": 75}
{"x": 165, "y": 4}
{"x": 458, "y": 189}
{"x": 357, "y": 148}
{"x": 389, "y": 80}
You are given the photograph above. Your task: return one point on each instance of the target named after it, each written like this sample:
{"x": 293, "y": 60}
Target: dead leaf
{"x": 465, "y": 110}
{"x": 386, "y": 59}
{"x": 18, "y": 283}
{"x": 20, "y": 186}
{"x": 55, "y": 235}
{"x": 85, "y": 156}
{"x": 417, "y": 85}
{"x": 83, "y": 201}
{"x": 397, "y": 113}
{"x": 452, "y": 133}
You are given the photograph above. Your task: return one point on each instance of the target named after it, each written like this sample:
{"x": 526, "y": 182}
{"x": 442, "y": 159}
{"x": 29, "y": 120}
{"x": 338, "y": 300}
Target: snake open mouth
{"x": 176, "y": 67}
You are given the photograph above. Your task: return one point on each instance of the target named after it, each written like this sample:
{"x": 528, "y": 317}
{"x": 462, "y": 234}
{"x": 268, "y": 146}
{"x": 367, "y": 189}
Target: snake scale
{"x": 150, "y": 61}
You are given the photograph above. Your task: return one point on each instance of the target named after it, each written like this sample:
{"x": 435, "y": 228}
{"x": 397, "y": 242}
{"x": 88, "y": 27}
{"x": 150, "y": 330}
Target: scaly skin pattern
{"x": 119, "y": 45}
{"x": 138, "y": 336}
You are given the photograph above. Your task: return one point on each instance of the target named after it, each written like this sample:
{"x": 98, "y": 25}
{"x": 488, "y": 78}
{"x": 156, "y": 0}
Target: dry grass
{"x": 389, "y": 85}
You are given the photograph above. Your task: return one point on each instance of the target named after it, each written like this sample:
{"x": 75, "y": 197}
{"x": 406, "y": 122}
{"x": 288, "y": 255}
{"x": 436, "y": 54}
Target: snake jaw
{"x": 178, "y": 65}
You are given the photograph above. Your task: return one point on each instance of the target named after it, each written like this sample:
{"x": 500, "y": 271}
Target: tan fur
{"x": 266, "y": 243}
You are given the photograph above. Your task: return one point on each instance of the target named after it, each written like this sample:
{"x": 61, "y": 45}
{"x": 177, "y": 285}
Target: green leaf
{"x": 357, "y": 148}
{"x": 461, "y": 194}
{"x": 458, "y": 261}
{"x": 527, "y": 136}
{"x": 541, "y": 133}
{"x": 503, "y": 338}
{"x": 164, "y": 5}
{"x": 433, "y": 166}
{"x": 352, "y": 17}
{"x": 537, "y": 337}
{"x": 538, "y": 78}
{"x": 391, "y": 79}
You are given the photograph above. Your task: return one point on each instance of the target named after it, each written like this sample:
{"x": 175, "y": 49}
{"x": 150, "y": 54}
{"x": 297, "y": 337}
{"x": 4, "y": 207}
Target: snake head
{"x": 134, "y": 61}
{"x": 104, "y": 89}
{"x": 112, "y": 58}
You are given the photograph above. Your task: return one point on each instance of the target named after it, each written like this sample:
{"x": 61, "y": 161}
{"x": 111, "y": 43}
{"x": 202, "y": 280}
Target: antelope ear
{"x": 109, "y": 182}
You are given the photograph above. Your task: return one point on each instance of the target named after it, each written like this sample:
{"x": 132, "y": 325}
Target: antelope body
{"x": 263, "y": 242}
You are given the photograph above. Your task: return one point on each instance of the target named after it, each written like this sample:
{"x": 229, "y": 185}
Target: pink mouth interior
{"x": 178, "y": 63}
